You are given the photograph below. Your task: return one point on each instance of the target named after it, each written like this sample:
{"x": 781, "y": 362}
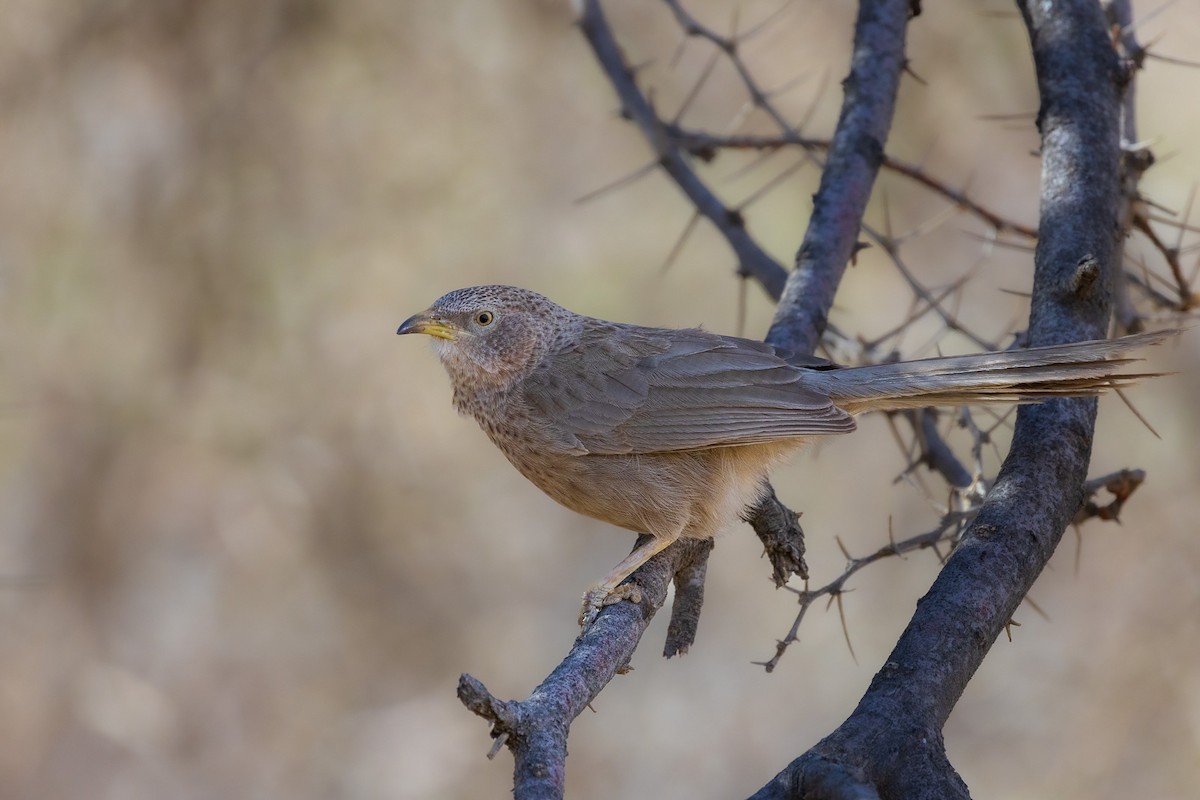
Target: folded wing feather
{"x": 650, "y": 391}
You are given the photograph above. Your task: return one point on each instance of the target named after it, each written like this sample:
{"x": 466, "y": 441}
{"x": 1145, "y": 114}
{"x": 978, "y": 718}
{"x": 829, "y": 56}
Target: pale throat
{"x": 484, "y": 372}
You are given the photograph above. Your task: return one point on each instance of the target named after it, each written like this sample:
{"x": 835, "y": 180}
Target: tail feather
{"x": 1080, "y": 369}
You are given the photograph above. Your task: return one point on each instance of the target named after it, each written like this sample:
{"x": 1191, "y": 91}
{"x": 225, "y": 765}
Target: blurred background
{"x": 246, "y": 545}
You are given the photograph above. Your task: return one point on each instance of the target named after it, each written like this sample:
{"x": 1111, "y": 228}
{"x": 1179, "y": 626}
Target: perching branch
{"x": 536, "y": 729}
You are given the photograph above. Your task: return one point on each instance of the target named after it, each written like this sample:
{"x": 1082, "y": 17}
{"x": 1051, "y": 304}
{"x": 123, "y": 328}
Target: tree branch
{"x": 894, "y": 736}
{"x": 536, "y": 729}
{"x": 752, "y": 259}
{"x": 854, "y": 157}
{"x": 705, "y": 146}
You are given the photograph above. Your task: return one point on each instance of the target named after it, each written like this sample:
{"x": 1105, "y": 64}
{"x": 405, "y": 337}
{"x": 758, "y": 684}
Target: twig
{"x": 946, "y": 532}
{"x": 706, "y": 146}
{"x": 729, "y": 45}
{"x": 1121, "y": 485}
{"x": 752, "y": 259}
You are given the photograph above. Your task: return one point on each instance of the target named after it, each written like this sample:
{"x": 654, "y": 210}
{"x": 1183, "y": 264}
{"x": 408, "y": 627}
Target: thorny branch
{"x": 891, "y": 746}
{"x": 1120, "y": 485}
{"x": 831, "y": 238}
{"x": 706, "y": 146}
{"x": 673, "y": 142}
{"x": 752, "y": 259}
{"x": 1136, "y": 158}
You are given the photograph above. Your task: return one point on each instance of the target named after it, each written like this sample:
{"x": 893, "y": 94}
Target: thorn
{"x": 763, "y": 190}
{"x": 908, "y": 69}
{"x": 677, "y": 248}
{"x": 1129, "y": 404}
{"x": 845, "y": 628}
{"x": 842, "y": 546}
{"x": 696, "y": 87}
{"x": 1037, "y": 609}
{"x": 760, "y": 26}
{"x": 624, "y": 180}
{"x": 1187, "y": 213}
{"x": 1087, "y": 270}
{"x": 1179, "y": 62}
{"x": 498, "y": 743}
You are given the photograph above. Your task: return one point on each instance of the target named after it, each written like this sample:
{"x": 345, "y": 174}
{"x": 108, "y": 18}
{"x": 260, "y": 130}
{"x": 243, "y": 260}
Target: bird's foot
{"x": 600, "y": 596}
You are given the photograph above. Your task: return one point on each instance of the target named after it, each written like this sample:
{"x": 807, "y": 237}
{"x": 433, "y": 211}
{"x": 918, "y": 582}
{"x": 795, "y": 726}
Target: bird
{"x": 673, "y": 432}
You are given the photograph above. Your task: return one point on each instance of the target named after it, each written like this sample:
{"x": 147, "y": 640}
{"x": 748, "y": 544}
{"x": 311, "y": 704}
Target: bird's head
{"x": 489, "y": 336}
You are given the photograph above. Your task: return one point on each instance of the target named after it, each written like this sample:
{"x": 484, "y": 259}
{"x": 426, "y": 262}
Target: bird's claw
{"x": 601, "y": 596}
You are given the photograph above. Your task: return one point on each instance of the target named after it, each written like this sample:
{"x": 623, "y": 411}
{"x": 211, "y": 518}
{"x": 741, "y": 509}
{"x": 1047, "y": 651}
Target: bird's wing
{"x": 645, "y": 390}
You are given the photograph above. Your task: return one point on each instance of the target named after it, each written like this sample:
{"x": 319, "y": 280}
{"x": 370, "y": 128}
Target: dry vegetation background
{"x": 246, "y": 545}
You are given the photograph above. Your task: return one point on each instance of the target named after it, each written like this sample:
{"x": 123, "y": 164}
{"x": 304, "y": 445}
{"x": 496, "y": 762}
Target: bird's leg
{"x": 606, "y": 591}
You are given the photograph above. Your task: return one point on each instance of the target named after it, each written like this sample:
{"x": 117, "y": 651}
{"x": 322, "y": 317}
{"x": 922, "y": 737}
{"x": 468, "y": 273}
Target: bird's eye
{"x": 484, "y": 317}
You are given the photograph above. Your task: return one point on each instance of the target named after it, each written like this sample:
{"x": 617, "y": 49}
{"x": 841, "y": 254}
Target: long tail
{"x": 1080, "y": 369}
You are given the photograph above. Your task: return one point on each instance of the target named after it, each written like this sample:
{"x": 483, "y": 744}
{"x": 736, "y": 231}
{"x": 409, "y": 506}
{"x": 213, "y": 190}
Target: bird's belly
{"x": 692, "y": 493}
{"x": 736, "y": 478}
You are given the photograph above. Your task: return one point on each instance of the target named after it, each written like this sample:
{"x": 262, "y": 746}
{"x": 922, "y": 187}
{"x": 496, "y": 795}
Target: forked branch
{"x": 893, "y": 740}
